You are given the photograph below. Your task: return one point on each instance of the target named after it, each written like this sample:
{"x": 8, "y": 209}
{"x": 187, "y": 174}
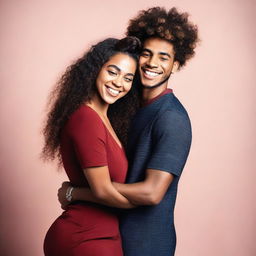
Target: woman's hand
{"x": 62, "y": 195}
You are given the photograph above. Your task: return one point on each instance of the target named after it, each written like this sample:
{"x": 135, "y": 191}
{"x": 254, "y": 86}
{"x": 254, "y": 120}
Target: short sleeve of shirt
{"x": 88, "y": 136}
{"x": 171, "y": 137}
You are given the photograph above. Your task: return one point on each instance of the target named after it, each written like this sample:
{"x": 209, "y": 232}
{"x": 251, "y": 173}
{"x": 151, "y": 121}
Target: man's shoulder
{"x": 172, "y": 122}
{"x": 172, "y": 107}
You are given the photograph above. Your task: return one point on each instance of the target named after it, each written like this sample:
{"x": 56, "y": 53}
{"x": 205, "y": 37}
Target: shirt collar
{"x": 148, "y": 102}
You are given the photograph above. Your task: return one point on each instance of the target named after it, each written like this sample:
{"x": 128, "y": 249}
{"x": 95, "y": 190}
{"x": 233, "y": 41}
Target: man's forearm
{"x": 149, "y": 191}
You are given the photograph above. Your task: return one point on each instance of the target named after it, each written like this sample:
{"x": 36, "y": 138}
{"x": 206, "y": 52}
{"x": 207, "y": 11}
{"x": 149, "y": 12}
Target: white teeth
{"x": 153, "y": 74}
{"x": 113, "y": 91}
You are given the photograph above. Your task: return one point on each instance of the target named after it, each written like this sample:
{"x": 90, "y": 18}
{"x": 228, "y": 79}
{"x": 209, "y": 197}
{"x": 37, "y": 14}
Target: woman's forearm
{"x": 101, "y": 189}
{"x": 111, "y": 198}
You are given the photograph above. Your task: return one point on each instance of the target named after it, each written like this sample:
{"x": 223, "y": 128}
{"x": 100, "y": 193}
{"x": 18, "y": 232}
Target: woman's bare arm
{"x": 147, "y": 192}
{"x": 101, "y": 190}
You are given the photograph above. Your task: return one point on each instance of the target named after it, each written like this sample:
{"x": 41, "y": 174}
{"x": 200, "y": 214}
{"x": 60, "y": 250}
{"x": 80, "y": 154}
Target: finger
{"x": 64, "y": 206}
{"x": 65, "y": 183}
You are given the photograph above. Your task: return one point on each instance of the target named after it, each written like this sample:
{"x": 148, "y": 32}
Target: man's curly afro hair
{"x": 171, "y": 26}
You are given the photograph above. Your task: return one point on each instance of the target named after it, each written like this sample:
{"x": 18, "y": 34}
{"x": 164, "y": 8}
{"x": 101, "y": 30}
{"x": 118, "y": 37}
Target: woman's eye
{"x": 112, "y": 73}
{"x": 128, "y": 79}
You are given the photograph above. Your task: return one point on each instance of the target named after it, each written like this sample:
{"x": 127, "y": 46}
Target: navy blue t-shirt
{"x": 159, "y": 138}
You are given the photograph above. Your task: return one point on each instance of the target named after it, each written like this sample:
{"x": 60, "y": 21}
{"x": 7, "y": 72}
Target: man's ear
{"x": 175, "y": 67}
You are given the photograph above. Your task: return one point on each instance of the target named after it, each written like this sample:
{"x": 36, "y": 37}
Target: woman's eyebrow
{"x": 115, "y": 67}
{"x": 118, "y": 69}
{"x": 129, "y": 74}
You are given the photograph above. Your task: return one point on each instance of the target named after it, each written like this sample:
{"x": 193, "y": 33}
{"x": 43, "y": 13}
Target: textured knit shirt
{"x": 159, "y": 138}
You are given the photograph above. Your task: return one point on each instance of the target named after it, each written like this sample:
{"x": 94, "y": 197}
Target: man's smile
{"x": 150, "y": 74}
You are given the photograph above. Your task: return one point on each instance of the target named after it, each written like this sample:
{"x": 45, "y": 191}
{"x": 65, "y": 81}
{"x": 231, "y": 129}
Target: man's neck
{"x": 149, "y": 94}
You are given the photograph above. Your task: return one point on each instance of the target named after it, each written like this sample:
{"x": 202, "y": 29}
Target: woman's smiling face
{"x": 115, "y": 78}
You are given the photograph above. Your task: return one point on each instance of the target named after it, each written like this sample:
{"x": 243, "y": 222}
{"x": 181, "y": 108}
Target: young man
{"x": 160, "y": 135}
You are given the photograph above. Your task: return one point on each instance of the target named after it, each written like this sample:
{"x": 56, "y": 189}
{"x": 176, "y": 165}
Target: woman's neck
{"x": 98, "y": 105}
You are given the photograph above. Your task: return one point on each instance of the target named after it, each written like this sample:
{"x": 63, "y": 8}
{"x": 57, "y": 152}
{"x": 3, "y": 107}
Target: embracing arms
{"x": 147, "y": 192}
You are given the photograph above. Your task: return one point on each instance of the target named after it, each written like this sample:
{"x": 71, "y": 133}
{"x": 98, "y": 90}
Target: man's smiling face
{"x": 156, "y": 62}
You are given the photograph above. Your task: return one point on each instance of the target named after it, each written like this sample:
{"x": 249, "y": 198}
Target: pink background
{"x": 215, "y": 211}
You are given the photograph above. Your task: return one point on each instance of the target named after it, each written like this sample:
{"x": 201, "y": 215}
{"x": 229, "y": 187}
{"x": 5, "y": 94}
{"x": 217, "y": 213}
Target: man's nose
{"x": 152, "y": 62}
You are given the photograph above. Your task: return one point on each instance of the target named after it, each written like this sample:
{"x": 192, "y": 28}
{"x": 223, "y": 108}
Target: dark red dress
{"x": 87, "y": 229}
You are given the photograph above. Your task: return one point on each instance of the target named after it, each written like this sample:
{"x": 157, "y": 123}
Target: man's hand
{"x": 62, "y": 195}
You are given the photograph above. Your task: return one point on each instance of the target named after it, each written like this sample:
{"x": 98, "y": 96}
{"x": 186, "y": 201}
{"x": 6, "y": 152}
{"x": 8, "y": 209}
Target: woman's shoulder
{"x": 85, "y": 116}
{"x": 85, "y": 112}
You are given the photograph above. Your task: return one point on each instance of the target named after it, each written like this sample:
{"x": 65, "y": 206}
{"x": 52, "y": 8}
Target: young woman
{"x": 83, "y": 131}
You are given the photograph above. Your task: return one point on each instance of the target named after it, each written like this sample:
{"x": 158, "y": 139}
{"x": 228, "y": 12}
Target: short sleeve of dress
{"x": 88, "y": 136}
{"x": 171, "y": 142}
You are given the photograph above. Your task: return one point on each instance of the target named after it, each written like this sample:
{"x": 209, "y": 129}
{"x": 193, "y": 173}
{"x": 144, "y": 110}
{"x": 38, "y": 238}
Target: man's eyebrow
{"x": 146, "y": 50}
{"x": 165, "y": 54}
{"x": 115, "y": 67}
{"x": 160, "y": 53}
{"x": 119, "y": 70}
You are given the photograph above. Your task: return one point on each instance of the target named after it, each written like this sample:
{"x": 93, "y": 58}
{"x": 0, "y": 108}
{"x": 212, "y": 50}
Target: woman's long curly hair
{"x": 171, "y": 26}
{"x": 77, "y": 86}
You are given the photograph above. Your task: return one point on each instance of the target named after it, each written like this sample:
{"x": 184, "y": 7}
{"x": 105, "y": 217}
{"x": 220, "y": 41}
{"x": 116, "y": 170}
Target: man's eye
{"x": 144, "y": 54}
{"x": 112, "y": 73}
{"x": 164, "y": 59}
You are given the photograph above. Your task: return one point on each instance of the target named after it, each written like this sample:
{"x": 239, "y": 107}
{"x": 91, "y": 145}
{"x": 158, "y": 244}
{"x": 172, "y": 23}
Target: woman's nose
{"x": 118, "y": 81}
